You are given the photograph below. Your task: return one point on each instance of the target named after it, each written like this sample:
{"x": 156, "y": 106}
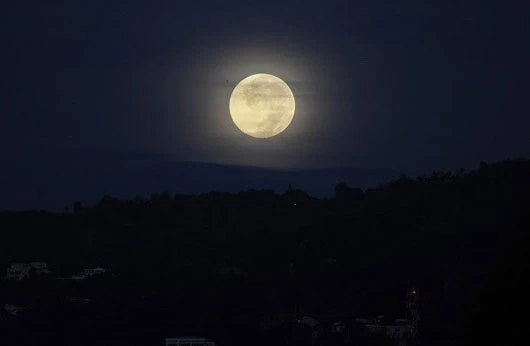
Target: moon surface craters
{"x": 262, "y": 105}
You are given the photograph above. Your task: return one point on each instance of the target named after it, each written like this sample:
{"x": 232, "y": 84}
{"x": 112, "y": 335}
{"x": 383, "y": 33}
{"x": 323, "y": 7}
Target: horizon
{"x": 317, "y": 182}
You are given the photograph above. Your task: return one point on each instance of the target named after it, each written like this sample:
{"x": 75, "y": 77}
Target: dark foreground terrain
{"x": 224, "y": 265}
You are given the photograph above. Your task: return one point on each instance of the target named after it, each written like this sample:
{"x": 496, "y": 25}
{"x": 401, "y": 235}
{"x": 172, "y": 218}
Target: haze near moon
{"x": 262, "y": 105}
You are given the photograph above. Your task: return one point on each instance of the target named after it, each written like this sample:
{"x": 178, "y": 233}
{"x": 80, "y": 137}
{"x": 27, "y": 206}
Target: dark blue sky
{"x": 406, "y": 85}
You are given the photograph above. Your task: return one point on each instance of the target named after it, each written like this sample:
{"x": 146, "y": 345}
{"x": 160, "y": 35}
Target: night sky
{"x": 405, "y": 85}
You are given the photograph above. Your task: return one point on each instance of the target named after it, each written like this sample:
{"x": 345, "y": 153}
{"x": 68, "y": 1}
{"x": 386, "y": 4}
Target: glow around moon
{"x": 262, "y": 105}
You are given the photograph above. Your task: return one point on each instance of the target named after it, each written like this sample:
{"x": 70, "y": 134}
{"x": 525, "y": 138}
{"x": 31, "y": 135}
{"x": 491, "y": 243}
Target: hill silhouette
{"x": 458, "y": 236}
{"x": 87, "y": 179}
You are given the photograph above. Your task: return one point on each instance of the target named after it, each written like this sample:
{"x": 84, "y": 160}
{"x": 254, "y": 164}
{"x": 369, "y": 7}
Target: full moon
{"x": 262, "y": 105}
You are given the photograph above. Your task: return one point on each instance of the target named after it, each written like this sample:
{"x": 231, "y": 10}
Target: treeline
{"x": 431, "y": 221}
